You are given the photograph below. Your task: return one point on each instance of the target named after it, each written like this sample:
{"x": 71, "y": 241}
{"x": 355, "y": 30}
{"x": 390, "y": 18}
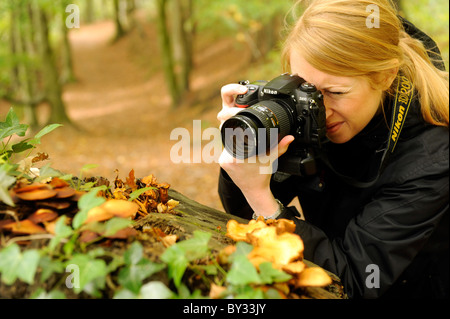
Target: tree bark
{"x": 166, "y": 52}
{"x": 52, "y": 86}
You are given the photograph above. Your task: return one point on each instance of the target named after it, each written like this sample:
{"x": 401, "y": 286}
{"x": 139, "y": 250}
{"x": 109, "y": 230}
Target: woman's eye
{"x": 336, "y": 93}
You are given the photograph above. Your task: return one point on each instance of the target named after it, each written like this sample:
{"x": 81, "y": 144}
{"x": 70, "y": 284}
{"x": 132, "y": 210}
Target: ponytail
{"x": 419, "y": 65}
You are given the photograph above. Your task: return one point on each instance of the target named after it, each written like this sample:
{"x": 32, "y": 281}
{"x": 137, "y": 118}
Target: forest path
{"x": 121, "y": 105}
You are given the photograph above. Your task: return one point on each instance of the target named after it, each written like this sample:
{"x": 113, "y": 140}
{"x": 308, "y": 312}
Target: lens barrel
{"x": 256, "y": 129}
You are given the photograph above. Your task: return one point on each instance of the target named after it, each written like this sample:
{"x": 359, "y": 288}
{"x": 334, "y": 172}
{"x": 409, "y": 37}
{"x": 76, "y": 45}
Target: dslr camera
{"x": 286, "y": 105}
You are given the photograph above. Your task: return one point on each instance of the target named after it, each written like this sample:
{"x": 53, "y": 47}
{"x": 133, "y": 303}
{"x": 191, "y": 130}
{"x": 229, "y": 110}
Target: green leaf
{"x": 28, "y": 266}
{"x": 5, "y": 182}
{"x": 133, "y": 254}
{"x": 139, "y": 192}
{"x": 176, "y": 260}
{"x": 21, "y": 146}
{"x": 47, "y": 129}
{"x": 87, "y": 202}
{"x": 115, "y": 224}
{"x": 195, "y": 247}
{"x": 14, "y": 264}
{"x": 49, "y": 266}
{"x": 12, "y": 126}
{"x": 88, "y": 167}
{"x": 131, "y": 277}
{"x": 155, "y": 290}
{"x": 178, "y": 255}
{"x": 242, "y": 272}
{"x": 242, "y": 249}
{"x": 89, "y": 270}
{"x": 42, "y": 294}
{"x": 269, "y": 275}
{"x": 10, "y": 257}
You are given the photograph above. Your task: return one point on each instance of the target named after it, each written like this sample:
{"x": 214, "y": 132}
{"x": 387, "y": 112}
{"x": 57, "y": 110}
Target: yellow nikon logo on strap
{"x": 402, "y": 102}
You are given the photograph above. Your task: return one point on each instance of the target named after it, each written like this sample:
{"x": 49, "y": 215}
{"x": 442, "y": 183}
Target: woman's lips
{"x": 334, "y": 127}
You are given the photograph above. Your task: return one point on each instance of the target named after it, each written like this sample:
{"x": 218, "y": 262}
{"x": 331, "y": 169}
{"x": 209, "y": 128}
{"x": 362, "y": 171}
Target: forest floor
{"x": 121, "y": 110}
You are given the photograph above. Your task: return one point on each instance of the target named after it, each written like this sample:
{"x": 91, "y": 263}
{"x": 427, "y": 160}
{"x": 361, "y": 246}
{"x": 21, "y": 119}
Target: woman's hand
{"x": 253, "y": 174}
{"x": 229, "y": 93}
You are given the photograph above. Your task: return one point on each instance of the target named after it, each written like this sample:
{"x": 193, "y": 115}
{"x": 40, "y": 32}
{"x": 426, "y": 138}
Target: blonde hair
{"x": 333, "y": 36}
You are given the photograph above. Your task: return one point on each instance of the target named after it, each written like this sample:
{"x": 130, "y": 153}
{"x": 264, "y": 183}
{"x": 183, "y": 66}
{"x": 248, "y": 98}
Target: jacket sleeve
{"x": 388, "y": 233}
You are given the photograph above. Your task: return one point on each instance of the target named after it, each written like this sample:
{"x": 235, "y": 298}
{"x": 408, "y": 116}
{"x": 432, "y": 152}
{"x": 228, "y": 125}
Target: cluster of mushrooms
{"x": 39, "y": 205}
{"x": 274, "y": 241}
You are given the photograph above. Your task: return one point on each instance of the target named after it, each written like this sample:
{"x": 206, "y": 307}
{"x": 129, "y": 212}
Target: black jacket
{"x": 399, "y": 225}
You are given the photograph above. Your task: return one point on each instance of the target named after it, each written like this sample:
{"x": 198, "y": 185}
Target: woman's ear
{"x": 388, "y": 77}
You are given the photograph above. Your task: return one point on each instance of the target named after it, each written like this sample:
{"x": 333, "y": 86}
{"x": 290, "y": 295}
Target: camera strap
{"x": 404, "y": 94}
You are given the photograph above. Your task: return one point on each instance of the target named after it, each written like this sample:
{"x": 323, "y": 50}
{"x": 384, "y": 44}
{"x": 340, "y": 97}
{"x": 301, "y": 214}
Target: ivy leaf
{"x": 9, "y": 261}
{"x": 131, "y": 277}
{"x": 133, "y": 254}
{"x": 89, "y": 270}
{"x": 87, "y": 202}
{"x": 242, "y": 272}
{"x": 176, "y": 260}
{"x": 115, "y": 224}
{"x": 195, "y": 247}
{"x": 177, "y": 256}
{"x": 49, "y": 266}
{"x": 269, "y": 275}
{"x": 12, "y": 126}
{"x": 28, "y": 266}
{"x": 155, "y": 290}
{"x": 14, "y": 264}
{"x": 61, "y": 231}
{"x": 5, "y": 182}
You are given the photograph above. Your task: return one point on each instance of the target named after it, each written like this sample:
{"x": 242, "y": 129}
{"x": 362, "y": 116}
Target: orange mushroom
{"x": 43, "y": 215}
{"x": 238, "y": 232}
{"x": 24, "y": 227}
{"x": 313, "y": 277}
{"x": 278, "y": 249}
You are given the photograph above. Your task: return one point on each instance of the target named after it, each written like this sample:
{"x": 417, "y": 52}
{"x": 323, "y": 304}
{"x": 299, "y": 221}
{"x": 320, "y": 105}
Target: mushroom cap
{"x": 238, "y": 232}
{"x": 37, "y": 194}
{"x": 278, "y": 249}
{"x": 313, "y": 277}
{"x": 120, "y": 208}
{"x": 43, "y": 215}
{"x": 24, "y": 227}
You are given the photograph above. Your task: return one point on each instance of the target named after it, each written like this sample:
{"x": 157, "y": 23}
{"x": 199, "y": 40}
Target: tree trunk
{"x": 166, "y": 53}
{"x": 120, "y": 31}
{"x": 22, "y": 71}
{"x": 182, "y": 36}
{"x": 52, "y": 86}
{"x": 67, "y": 74}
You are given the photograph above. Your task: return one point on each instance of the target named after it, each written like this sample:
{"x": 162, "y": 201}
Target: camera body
{"x": 286, "y": 105}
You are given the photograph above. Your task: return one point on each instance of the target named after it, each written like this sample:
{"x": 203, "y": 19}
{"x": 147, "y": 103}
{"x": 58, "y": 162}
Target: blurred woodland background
{"x": 133, "y": 70}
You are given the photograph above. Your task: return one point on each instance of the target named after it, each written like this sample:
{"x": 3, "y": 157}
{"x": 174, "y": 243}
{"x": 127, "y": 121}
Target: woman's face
{"x": 350, "y": 102}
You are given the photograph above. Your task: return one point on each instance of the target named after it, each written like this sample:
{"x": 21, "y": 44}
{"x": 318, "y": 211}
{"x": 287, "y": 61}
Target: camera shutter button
{"x": 308, "y": 87}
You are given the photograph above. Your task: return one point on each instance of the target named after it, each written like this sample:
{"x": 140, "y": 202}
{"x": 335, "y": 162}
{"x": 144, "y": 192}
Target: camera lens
{"x": 255, "y": 130}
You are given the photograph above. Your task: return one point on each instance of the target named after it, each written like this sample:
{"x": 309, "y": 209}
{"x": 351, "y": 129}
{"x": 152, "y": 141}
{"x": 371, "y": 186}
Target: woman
{"x": 384, "y": 238}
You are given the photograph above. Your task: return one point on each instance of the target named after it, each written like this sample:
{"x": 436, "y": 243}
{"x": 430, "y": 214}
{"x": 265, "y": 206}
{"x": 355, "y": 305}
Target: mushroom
{"x": 43, "y": 215}
{"x": 278, "y": 249}
{"x": 37, "y": 194}
{"x": 238, "y": 232}
{"x": 313, "y": 277}
{"x": 24, "y": 227}
{"x": 120, "y": 208}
